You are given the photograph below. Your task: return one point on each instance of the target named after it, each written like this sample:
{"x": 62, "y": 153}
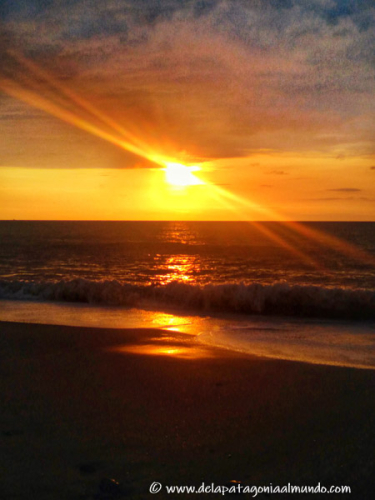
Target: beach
{"x": 84, "y": 405}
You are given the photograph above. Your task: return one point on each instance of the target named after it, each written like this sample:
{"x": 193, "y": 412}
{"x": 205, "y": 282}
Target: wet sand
{"x": 80, "y": 405}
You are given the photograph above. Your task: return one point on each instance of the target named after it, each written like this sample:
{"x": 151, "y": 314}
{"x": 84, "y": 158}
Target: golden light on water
{"x": 182, "y": 351}
{"x": 180, "y": 268}
{"x": 172, "y": 322}
{"x": 174, "y": 337}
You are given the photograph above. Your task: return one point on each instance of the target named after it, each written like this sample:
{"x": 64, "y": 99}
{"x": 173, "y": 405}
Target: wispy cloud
{"x": 346, "y": 190}
{"x": 345, "y": 198}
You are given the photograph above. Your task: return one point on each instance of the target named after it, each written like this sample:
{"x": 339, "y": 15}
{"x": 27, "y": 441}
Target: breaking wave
{"x": 280, "y": 298}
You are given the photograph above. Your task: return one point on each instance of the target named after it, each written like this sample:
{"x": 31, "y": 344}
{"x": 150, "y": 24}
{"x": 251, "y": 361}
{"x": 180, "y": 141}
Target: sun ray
{"x": 232, "y": 203}
{"x": 333, "y": 242}
{"x": 62, "y": 103}
{"x": 64, "y": 90}
{"x": 326, "y": 240}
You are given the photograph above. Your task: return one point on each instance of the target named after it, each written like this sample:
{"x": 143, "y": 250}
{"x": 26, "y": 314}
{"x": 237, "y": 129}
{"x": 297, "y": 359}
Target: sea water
{"x": 303, "y": 291}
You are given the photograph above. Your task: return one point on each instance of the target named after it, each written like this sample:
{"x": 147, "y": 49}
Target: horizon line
{"x": 182, "y": 220}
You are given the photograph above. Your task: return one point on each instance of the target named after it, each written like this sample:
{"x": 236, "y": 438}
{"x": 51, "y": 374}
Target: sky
{"x": 187, "y": 110}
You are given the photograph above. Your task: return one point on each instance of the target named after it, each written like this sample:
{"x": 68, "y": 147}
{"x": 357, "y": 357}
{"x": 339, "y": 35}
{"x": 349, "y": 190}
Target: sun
{"x": 181, "y": 175}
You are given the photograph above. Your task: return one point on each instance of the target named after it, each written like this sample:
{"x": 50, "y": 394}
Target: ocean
{"x": 301, "y": 291}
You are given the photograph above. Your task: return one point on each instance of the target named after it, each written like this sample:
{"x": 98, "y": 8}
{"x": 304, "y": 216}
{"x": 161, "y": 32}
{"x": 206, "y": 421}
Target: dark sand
{"x": 74, "y": 412}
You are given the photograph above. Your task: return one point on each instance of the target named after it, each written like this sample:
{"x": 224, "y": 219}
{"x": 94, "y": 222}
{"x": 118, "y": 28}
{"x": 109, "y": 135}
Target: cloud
{"x": 215, "y": 78}
{"x": 346, "y": 190}
{"x": 347, "y": 198}
{"x": 330, "y": 199}
{"x": 277, "y": 172}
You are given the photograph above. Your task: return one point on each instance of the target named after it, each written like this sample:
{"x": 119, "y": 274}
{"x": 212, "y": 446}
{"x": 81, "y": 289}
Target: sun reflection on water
{"x": 179, "y": 268}
{"x": 170, "y": 350}
{"x": 172, "y": 336}
{"x": 170, "y": 322}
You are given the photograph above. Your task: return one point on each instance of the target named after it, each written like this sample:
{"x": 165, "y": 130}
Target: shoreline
{"x": 307, "y": 340}
{"x": 80, "y": 406}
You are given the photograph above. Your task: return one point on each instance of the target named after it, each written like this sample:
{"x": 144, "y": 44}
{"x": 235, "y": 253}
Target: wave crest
{"x": 279, "y": 298}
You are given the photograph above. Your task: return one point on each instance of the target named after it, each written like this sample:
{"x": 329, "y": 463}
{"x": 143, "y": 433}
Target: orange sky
{"x": 272, "y": 101}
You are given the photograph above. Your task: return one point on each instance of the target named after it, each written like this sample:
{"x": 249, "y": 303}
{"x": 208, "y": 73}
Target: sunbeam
{"x": 41, "y": 90}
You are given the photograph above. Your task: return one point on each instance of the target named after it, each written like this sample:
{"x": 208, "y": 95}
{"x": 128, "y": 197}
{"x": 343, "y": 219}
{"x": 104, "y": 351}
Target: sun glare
{"x": 181, "y": 175}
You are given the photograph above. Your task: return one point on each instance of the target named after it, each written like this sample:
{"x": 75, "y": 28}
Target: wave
{"x": 280, "y": 298}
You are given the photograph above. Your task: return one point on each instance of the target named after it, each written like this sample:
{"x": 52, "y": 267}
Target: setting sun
{"x": 181, "y": 175}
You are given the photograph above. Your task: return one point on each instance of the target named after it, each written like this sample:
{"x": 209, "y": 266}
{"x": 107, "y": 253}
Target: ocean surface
{"x": 303, "y": 291}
